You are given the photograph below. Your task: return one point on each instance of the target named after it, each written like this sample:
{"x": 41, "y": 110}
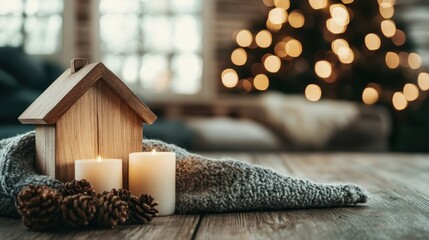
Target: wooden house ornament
{"x": 87, "y": 112}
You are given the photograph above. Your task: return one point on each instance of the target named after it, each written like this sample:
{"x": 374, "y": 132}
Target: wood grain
{"x": 45, "y": 149}
{"x": 77, "y": 63}
{"x": 77, "y": 135}
{"x": 120, "y": 129}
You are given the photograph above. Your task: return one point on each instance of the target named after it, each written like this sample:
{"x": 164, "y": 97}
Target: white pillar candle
{"x": 154, "y": 173}
{"x": 103, "y": 174}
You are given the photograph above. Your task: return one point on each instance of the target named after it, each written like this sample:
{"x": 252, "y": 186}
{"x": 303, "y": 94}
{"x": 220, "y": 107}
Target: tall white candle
{"x": 154, "y": 173}
{"x": 103, "y": 174}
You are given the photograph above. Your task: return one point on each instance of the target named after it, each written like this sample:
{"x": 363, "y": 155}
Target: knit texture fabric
{"x": 202, "y": 184}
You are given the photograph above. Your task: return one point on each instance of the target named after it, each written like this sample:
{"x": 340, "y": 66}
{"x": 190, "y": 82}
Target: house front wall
{"x": 101, "y": 124}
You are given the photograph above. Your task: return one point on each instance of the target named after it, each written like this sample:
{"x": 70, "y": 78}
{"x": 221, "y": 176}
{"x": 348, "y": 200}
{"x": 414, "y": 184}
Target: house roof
{"x": 69, "y": 87}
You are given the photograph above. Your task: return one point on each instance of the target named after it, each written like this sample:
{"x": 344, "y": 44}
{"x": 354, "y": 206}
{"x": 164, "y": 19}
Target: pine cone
{"x": 77, "y": 186}
{"x": 111, "y": 210}
{"x": 78, "y": 210}
{"x": 141, "y": 209}
{"x": 39, "y": 207}
{"x": 123, "y": 194}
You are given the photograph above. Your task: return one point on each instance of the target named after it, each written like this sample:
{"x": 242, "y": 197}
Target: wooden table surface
{"x": 398, "y": 207}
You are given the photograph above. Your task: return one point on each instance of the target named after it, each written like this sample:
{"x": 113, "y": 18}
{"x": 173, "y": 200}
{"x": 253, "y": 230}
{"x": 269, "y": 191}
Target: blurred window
{"x": 154, "y": 46}
{"x": 33, "y": 24}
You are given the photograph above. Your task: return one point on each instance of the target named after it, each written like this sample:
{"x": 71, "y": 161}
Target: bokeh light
{"x": 388, "y": 28}
{"x": 296, "y": 19}
{"x": 414, "y": 61}
{"x": 323, "y": 69}
{"x": 339, "y": 14}
{"x": 399, "y": 101}
{"x": 392, "y": 60}
{"x": 263, "y": 39}
{"x": 244, "y": 38}
{"x": 411, "y": 92}
{"x": 229, "y": 78}
{"x": 277, "y": 16}
{"x": 346, "y": 55}
{"x": 337, "y": 44}
{"x": 293, "y": 48}
{"x": 313, "y": 92}
{"x": 261, "y": 82}
{"x": 239, "y": 57}
{"x": 399, "y": 38}
{"x": 285, "y": 4}
{"x": 318, "y": 4}
{"x": 370, "y": 95}
{"x": 272, "y": 63}
{"x": 372, "y": 41}
{"x": 386, "y": 11}
{"x": 423, "y": 81}
{"x": 334, "y": 27}
{"x": 280, "y": 49}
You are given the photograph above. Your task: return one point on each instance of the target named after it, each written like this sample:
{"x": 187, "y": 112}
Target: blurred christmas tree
{"x": 345, "y": 49}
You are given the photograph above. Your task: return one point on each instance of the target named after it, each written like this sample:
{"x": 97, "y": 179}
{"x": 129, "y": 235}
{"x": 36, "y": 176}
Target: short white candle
{"x": 103, "y": 174}
{"x": 154, "y": 173}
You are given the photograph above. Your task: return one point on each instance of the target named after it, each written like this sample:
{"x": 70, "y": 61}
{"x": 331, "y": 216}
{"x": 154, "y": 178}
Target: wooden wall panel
{"x": 45, "y": 149}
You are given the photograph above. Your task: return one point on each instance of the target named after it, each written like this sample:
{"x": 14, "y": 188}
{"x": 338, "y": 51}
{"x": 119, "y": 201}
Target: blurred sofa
{"x": 268, "y": 122}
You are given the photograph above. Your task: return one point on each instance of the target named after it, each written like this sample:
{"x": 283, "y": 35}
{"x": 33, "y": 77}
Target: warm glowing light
{"x": 337, "y": 44}
{"x": 372, "y": 41}
{"x": 345, "y": 55}
{"x": 388, "y": 28}
{"x": 280, "y": 49}
{"x": 370, "y": 95}
{"x": 229, "y": 78}
{"x": 277, "y": 16}
{"x": 399, "y": 38}
{"x": 399, "y": 101}
{"x": 339, "y": 14}
{"x": 98, "y": 159}
{"x": 244, "y": 38}
{"x": 323, "y": 69}
{"x": 247, "y": 85}
{"x": 387, "y": 11}
{"x": 285, "y": 4}
{"x": 153, "y": 151}
{"x": 334, "y": 27}
{"x": 392, "y": 60}
{"x": 239, "y": 57}
{"x": 423, "y": 81}
{"x": 263, "y": 39}
{"x": 318, "y": 4}
{"x": 414, "y": 60}
{"x": 347, "y": 1}
{"x": 268, "y": 3}
{"x": 411, "y": 92}
{"x": 261, "y": 82}
{"x": 313, "y": 92}
{"x": 296, "y": 19}
{"x": 273, "y": 27}
{"x": 293, "y": 48}
{"x": 272, "y": 63}
{"x": 386, "y": 2}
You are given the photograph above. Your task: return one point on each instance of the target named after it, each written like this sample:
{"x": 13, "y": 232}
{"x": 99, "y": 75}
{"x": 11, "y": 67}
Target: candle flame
{"x": 153, "y": 151}
{"x": 98, "y": 159}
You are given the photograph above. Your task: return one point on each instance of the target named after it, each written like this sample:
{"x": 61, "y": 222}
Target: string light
{"x": 318, "y": 4}
{"x": 339, "y": 14}
{"x": 399, "y": 101}
{"x": 263, "y": 39}
{"x": 323, "y": 69}
{"x": 346, "y": 55}
{"x": 372, "y": 41}
{"x": 414, "y": 61}
{"x": 293, "y": 48}
{"x": 334, "y": 27}
{"x": 261, "y": 82}
{"x": 296, "y": 19}
{"x": 313, "y": 92}
{"x": 229, "y": 78}
{"x": 370, "y": 95}
{"x": 244, "y": 38}
{"x": 285, "y": 4}
{"x": 411, "y": 92}
{"x": 239, "y": 57}
{"x": 392, "y": 60}
{"x": 423, "y": 81}
{"x": 337, "y": 44}
{"x": 386, "y": 11}
{"x": 272, "y": 63}
{"x": 388, "y": 28}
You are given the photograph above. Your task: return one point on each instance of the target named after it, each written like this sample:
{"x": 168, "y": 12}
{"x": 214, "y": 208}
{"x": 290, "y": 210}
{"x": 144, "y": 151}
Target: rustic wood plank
{"x": 120, "y": 129}
{"x": 411, "y": 170}
{"x": 77, "y": 64}
{"x": 169, "y": 227}
{"x": 45, "y": 149}
{"x": 393, "y": 211}
{"x": 76, "y": 135}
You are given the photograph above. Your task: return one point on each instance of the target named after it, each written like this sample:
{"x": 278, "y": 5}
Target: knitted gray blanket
{"x": 202, "y": 184}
